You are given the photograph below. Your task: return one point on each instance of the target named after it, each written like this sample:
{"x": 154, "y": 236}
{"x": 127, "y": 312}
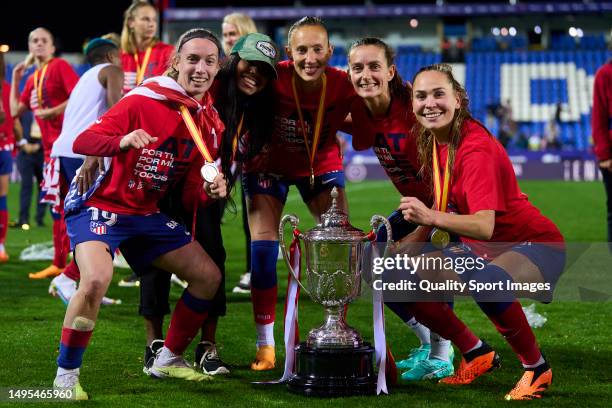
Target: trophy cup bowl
{"x": 334, "y": 360}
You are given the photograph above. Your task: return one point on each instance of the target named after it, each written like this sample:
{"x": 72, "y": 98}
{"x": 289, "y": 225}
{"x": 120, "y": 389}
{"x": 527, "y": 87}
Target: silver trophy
{"x": 332, "y": 277}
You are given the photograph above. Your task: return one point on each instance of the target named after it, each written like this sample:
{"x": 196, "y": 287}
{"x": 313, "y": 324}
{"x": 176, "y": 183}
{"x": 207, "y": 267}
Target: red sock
{"x": 3, "y": 225}
{"x": 72, "y": 346}
{"x": 189, "y": 314}
{"x": 441, "y": 319}
{"x": 72, "y": 271}
{"x": 264, "y": 304}
{"x": 59, "y": 243}
{"x": 513, "y": 325}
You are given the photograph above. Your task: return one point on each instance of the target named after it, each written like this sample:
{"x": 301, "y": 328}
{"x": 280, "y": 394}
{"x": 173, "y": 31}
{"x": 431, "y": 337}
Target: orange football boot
{"x": 50, "y": 271}
{"x": 532, "y": 384}
{"x": 469, "y": 371}
{"x": 265, "y": 359}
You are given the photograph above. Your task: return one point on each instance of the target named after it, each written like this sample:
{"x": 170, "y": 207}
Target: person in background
{"x": 601, "y": 123}
{"x": 234, "y": 26}
{"x": 46, "y": 94}
{"x": 7, "y": 144}
{"x": 97, "y": 90}
{"x": 30, "y": 160}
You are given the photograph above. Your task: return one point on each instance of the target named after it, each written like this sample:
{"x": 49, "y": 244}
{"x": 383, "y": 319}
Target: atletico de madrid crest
{"x": 98, "y": 228}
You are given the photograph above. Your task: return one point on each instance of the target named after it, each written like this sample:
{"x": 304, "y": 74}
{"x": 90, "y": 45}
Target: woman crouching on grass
{"x": 150, "y": 136}
{"x": 492, "y": 218}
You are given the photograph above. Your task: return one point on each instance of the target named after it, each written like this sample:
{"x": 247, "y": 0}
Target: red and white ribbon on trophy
{"x": 291, "y": 319}
{"x": 380, "y": 341}
{"x": 292, "y": 334}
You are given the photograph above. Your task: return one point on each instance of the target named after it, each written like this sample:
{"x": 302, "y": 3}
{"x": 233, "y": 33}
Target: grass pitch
{"x": 576, "y": 338}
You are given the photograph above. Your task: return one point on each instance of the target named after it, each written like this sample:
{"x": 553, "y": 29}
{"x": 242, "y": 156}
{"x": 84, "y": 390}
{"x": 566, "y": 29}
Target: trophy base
{"x": 337, "y": 372}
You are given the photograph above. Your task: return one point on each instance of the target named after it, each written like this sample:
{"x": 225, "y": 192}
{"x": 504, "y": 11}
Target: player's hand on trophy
{"x": 218, "y": 188}
{"x": 136, "y": 140}
{"x": 415, "y": 211}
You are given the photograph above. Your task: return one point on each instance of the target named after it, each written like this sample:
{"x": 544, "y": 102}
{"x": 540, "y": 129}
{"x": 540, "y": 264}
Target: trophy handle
{"x": 294, "y": 220}
{"x": 375, "y": 222}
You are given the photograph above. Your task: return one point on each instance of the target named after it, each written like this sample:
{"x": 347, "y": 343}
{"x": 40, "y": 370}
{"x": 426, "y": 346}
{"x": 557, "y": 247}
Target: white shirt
{"x": 86, "y": 104}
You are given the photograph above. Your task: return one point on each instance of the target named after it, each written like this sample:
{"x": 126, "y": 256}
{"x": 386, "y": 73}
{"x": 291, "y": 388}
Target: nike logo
{"x": 328, "y": 181}
{"x": 432, "y": 374}
{"x": 98, "y": 121}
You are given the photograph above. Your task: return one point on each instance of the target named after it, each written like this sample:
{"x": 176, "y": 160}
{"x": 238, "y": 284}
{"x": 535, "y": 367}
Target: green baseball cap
{"x": 257, "y": 47}
{"x": 97, "y": 42}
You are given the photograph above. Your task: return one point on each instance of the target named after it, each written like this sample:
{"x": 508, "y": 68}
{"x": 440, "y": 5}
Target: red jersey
{"x": 483, "y": 179}
{"x": 157, "y": 64}
{"x": 394, "y": 144}
{"x": 287, "y": 154}
{"x": 57, "y": 84}
{"x": 601, "y": 117}
{"x": 7, "y": 138}
{"x": 138, "y": 179}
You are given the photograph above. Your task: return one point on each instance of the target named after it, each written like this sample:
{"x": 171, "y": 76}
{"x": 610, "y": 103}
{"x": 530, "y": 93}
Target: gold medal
{"x": 209, "y": 172}
{"x": 311, "y": 151}
{"x": 439, "y": 238}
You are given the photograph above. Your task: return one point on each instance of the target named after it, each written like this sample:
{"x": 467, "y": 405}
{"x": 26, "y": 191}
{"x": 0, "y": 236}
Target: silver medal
{"x": 209, "y": 172}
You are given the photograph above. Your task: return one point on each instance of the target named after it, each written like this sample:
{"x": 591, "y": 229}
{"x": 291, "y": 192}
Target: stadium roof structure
{"x": 391, "y": 10}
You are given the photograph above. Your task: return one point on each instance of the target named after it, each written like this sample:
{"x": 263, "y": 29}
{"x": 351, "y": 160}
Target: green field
{"x": 576, "y": 338}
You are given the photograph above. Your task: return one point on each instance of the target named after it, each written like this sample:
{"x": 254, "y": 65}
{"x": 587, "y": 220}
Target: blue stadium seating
{"x": 539, "y": 79}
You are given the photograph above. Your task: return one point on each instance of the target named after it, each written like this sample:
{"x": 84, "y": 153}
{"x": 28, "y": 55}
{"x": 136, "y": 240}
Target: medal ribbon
{"x": 196, "y": 135}
{"x": 140, "y": 69}
{"x": 38, "y": 83}
{"x": 318, "y": 123}
{"x": 441, "y": 196}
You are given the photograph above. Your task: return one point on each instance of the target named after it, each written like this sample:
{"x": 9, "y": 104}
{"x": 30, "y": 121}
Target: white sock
{"x": 479, "y": 344}
{"x": 165, "y": 356}
{"x": 265, "y": 334}
{"x": 1, "y": 247}
{"x": 440, "y": 348}
{"x": 66, "y": 377}
{"x": 63, "y": 371}
{"x": 420, "y": 330}
{"x": 537, "y": 363}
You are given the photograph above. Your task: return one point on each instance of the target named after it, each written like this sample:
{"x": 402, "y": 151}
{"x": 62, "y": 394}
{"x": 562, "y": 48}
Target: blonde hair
{"x": 243, "y": 23}
{"x": 114, "y": 37}
{"x": 128, "y": 41}
{"x": 425, "y": 138}
{"x": 30, "y": 59}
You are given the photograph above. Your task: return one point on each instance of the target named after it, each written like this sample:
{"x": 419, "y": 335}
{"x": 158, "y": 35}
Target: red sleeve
{"x": 69, "y": 77}
{"x": 26, "y": 94}
{"x": 103, "y": 137}
{"x": 480, "y": 180}
{"x": 601, "y": 114}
